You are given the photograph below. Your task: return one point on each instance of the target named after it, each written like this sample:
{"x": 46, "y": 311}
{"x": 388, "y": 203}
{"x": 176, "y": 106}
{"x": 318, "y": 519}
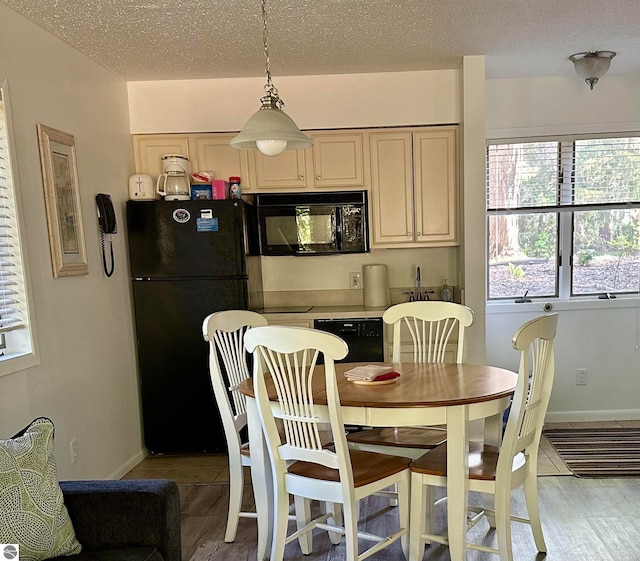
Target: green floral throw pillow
{"x": 32, "y": 511}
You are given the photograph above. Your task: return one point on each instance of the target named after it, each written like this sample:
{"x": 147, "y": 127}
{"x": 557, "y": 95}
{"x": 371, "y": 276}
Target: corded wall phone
{"x": 107, "y": 223}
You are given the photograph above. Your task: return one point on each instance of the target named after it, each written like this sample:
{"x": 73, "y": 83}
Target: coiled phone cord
{"x": 107, "y": 271}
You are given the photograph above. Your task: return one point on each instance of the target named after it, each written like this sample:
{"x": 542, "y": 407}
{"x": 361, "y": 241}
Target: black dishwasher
{"x": 364, "y": 336}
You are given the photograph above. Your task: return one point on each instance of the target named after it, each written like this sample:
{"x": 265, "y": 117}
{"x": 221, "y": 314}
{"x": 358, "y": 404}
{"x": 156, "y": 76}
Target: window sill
{"x": 15, "y": 362}
{"x": 586, "y": 303}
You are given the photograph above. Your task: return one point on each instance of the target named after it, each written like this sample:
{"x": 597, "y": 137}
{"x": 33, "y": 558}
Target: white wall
{"x": 313, "y": 102}
{"x": 602, "y": 337}
{"x": 86, "y": 380}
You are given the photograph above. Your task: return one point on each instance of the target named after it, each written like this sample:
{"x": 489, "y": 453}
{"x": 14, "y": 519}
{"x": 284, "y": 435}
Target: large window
{"x": 563, "y": 217}
{"x": 15, "y": 335}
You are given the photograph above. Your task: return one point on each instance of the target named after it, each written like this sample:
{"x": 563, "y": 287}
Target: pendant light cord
{"x": 270, "y": 90}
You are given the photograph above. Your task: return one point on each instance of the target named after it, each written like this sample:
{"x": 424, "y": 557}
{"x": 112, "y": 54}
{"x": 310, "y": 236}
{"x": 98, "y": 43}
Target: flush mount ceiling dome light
{"x": 592, "y": 65}
{"x": 270, "y": 129}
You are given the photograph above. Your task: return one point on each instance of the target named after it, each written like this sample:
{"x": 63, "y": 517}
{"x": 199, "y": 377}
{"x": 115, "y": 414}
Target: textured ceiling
{"x": 182, "y": 39}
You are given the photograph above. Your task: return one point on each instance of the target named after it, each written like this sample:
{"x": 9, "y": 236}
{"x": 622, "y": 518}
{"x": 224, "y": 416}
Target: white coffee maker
{"x": 174, "y": 183}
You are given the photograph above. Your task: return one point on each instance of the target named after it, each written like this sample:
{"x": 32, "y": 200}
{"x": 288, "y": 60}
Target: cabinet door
{"x": 306, "y": 323}
{"x": 214, "y": 154}
{"x": 338, "y": 159}
{"x": 391, "y": 190}
{"x": 148, "y": 149}
{"x": 284, "y": 172}
{"x": 435, "y": 186}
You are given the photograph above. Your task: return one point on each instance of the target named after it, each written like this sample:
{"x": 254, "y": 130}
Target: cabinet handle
{"x": 301, "y": 177}
{"x": 419, "y": 234}
{"x": 318, "y": 178}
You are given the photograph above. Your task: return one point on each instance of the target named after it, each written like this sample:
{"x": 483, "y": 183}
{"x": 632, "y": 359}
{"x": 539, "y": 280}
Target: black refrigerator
{"x": 188, "y": 260}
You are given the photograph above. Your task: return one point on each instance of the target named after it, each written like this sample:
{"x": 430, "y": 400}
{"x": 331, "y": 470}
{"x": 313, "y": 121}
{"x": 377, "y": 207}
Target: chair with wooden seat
{"x": 228, "y": 368}
{"x": 494, "y": 471}
{"x": 437, "y": 331}
{"x": 284, "y": 362}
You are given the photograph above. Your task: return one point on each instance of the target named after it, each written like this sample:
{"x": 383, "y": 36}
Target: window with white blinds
{"x": 14, "y": 323}
{"x": 568, "y": 174}
{"x": 563, "y": 217}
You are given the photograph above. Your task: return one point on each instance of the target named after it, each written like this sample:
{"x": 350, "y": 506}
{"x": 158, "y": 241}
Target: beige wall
{"x": 601, "y": 336}
{"x": 86, "y": 380}
{"x": 313, "y": 102}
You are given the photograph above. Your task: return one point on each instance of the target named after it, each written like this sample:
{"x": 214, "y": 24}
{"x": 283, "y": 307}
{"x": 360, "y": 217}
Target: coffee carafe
{"x": 174, "y": 183}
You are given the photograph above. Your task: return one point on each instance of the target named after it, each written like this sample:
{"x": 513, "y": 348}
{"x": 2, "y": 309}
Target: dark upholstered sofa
{"x": 125, "y": 520}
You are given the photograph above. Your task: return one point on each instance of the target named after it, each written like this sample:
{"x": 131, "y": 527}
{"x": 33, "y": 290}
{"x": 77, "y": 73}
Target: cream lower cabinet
{"x": 307, "y": 323}
{"x": 414, "y": 187}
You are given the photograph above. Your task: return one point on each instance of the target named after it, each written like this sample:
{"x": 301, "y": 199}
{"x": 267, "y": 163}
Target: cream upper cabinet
{"x": 338, "y": 159}
{"x": 414, "y": 187}
{"x": 285, "y": 172}
{"x": 149, "y": 148}
{"x": 206, "y": 152}
{"x": 213, "y": 153}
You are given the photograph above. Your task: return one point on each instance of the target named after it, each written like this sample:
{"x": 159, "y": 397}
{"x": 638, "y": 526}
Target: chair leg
{"x": 350, "y": 513}
{"x": 419, "y": 515}
{"x": 487, "y": 504}
{"x": 335, "y": 520}
{"x": 280, "y": 526}
{"x": 404, "y": 506}
{"x": 236, "y": 482}
{"x": 303, "y": 517}
{"x": 531, "y": 498}
{"x": 502, "y": 503}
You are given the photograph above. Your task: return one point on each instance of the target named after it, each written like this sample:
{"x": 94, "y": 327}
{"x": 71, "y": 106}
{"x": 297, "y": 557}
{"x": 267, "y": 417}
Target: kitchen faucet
{"x": 418, "y": 285}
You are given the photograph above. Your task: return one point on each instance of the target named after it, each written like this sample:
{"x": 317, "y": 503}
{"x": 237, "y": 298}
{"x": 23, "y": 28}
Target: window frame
{"x": 565, "y": 211}
{"x": 21, "y": 350}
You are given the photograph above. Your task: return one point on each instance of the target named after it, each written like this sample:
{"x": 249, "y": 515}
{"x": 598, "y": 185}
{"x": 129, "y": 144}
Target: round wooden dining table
{"x": 424, "y": 394}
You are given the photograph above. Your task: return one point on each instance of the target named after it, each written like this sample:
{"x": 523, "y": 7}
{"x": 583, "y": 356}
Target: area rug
{"x": 612, "y": 452}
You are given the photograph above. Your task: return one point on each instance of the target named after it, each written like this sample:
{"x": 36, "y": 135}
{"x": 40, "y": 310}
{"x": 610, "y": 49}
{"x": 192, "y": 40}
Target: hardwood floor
{"x": 583, "y": 519}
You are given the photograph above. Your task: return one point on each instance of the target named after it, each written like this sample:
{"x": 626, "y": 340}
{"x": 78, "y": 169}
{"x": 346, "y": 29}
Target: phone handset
{"x": 107, "y": 223}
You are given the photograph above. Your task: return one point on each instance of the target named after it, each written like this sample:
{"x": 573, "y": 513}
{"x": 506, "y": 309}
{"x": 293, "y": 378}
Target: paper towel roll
{"x": 376, "y": 290}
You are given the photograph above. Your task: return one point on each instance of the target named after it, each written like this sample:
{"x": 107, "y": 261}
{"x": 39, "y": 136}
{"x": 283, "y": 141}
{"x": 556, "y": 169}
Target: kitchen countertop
{"x": 323, "y": 312}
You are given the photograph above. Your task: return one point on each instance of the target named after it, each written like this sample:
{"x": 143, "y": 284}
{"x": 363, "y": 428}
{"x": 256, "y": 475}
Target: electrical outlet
{"x": 355, "y": 280}
{"x": 581, "y": 377}
{"x": 73, "y": 448}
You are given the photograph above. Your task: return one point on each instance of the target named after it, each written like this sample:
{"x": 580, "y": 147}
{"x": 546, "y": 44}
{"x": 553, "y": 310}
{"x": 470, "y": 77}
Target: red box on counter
{"x": 219, "y": 189}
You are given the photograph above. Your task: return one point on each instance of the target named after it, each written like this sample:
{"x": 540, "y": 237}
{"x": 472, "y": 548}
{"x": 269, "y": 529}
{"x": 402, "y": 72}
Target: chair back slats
{"x": 228, "y": 366}
{"x": 288, "y": 356}
{"x": 535, "y": 340}
{"x": 434, "y": 327}
{"x": 292, "y": 376}
{"x": 230, "y": 347}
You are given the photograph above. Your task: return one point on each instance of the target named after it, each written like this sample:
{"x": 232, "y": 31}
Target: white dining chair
{"x": 497, "y": 471}
{"x": 437, "y": 331}
{"x": 228, "y": 368}
{"x": 284, "y": 361}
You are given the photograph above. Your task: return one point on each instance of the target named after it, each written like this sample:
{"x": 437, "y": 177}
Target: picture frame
{"x": 62, "y": 202}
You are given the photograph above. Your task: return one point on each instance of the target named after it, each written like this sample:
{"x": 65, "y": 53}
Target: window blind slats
{"x": 564, "y": 174}
{"x": 12, "y": 302}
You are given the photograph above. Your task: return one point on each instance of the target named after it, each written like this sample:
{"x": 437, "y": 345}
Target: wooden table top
{"x": 419, "y": 385}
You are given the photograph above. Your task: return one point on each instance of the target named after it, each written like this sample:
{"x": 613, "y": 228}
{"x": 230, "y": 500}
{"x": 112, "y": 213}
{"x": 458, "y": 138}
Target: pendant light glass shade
{"x": 270, "y": 129}
{"x": 592, "y": 65}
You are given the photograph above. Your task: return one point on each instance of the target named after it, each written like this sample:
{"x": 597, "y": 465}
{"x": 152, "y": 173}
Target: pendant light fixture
{"x": 592, "y": 65}
{"x": 270, "y": 129}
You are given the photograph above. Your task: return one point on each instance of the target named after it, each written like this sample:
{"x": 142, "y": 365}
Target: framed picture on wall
{"x": 62, "y": 202}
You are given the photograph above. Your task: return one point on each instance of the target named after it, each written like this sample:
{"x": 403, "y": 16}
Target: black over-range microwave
{"x": 313, "y": 223}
